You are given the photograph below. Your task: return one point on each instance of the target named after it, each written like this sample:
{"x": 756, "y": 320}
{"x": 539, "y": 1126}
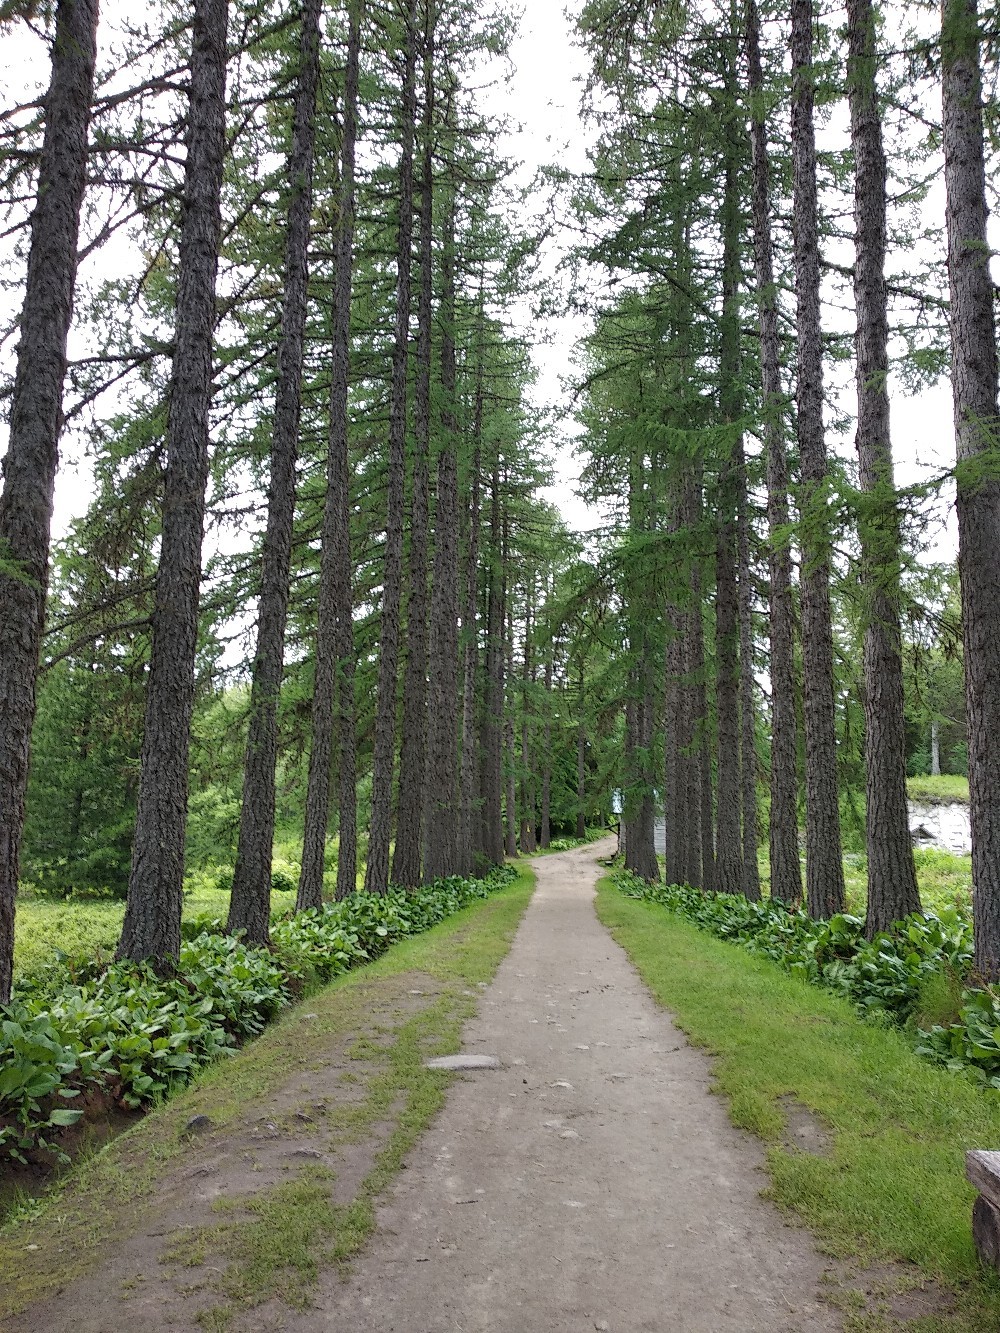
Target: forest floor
{"x": 591, "y": 1181}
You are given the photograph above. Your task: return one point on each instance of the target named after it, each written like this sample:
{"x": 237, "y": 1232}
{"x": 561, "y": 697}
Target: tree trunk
{"x": 510, "y": 764}
{"x": 935, "y": 750}
{"x": 785, "y": 867}
{"x": 250, "y": 904}
{"x": 333, "y": 687}
{"x": 527, "y": 838}
{"x": 545, "y": 832}
{"x": 407, "y": 860}
{"x": 824, "y": 859}
{"x": 152, "y": 927}
{"x": 493, "y": 701}
{"x": 581, "y": 764}
{"x": 748, "y": 701}
{"x": 892, "y": 879}
{"x": 729, "y": 861}
{"x": 443, "y": 815}
{"x": 977, "y": 428}
{"x": 29, "y": 467}
{"x": 469, "y": 840}
{"x": 380, "y": 832}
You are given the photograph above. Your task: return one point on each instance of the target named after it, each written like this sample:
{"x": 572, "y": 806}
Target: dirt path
{"x": 592, "y": 1182}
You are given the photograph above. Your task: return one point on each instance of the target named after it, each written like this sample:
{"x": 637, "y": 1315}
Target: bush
{"x": 900, "y": 977}
{"x": 77, "y": 1023}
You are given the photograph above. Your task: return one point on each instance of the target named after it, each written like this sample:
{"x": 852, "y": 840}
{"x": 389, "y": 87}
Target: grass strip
{"x": 893, "y": 1186}
{"x": 114, "y": 1193}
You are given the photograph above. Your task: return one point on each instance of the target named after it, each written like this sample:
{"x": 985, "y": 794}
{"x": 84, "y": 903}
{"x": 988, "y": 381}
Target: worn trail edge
{"x": 593, "y": 1182}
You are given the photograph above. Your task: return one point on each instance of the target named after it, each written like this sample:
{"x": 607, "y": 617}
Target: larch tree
{"x": 250, "y": 903}
{"x": 383, "y": 762}
{"x": 892, "y": 880}
{"x": 333, "y": 684}
{"x": 29, "y": 467}
{"x": 824, "y": 857}
{"x": 786, "y": 872}
{"x": 152, "y": 926}
{"x": 407, "y": 860}
{"x": 977, "y": 431}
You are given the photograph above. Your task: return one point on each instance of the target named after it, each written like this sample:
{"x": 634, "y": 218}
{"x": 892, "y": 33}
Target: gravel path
{"x": 592, "y": 1182}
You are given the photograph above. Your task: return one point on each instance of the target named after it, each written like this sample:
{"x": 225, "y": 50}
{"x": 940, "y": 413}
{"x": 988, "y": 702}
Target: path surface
{"x": 591, "y": 1183}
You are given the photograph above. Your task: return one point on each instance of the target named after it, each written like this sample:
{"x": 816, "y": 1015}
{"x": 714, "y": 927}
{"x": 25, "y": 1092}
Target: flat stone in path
{"x": 463, "y": 1061}
{"x": 592, "y": 1183}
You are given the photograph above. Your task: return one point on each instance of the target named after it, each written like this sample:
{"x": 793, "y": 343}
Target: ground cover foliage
{"x": 280, "y": 1244}
{"x": 891, "y": 1185}
{"x": 77, "y": 1025}
{"x": 920, "y": 971}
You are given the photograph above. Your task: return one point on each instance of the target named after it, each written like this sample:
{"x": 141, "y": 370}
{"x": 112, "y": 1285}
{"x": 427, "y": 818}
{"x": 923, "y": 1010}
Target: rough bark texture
{"x": 491, "y": 840}
{"x": 786, "y": 871}
{"x": 748, "y": 692}
{"x": 527, "y": 833}
{"x": 977, "y": 428}
{"x": 333, "y": 685}
{"x": 824, "y": 859}
{"x": 471, "y": 765}
{"x": 892, "y": 879}
{"x": 380, "y": 831}
{"x": 545, "y": 832}
{"x": 250, "y": 903}
{"x": 407, "y": 859}
{"x": 581, "y": 765}
{"x": 29, "y": 467}
{"x": 510, "y": 757}
{"x": 152, "y": 927}
{"x": 442, "y": 840}
{"x": 729, "y": 860}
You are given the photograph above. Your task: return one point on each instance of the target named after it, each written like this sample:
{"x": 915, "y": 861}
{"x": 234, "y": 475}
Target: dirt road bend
{"x": 592, "y": 1182}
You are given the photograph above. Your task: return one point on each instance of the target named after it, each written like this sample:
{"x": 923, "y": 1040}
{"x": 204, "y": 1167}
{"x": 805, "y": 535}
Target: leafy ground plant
{"x": 886, "y": 977}
{"x": 80, "y": 1025}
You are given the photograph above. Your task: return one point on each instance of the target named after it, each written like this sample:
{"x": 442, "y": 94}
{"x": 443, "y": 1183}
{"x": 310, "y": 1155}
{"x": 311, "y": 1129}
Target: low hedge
{"x": 123, "y": 1031}
{"x": 885, "y": 977}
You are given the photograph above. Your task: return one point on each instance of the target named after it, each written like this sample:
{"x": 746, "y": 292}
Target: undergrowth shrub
{"x": 919, "y": 973}
{"x": 79, "y": 1024}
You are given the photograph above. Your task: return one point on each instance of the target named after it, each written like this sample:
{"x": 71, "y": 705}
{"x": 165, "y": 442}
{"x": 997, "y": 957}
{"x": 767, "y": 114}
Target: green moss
{"x": 894, "y": 1187}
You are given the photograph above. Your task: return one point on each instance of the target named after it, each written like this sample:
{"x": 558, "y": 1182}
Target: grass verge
{"x": 893, "y": 1186}
{"x": 117, "y": 1192}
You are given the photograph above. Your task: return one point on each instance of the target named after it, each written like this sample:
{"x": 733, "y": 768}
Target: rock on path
{"x": 592, "y": 1182}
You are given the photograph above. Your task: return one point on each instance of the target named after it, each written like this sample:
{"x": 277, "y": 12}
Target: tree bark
{"x": 443, "y": 814}
{"x": 333, "y": 686}
{"x": 824, "y": 859}
{"x": 471, "y": 821}
{"x": 493, "y": 702}
{"x": 729, "y": 860}
{"x": 748, "y": 699}
{"x": 152, "y": 926}
{"x": 892, "y": 879}
{"x": 785, "y": 867}
{"x": 29, "y": 467}
{"x": 977, "y": 428}
{"x": 407, "y": 860}
{"x": 545, "y": 832}
{"x": 380, "y": 831}
{"x": 250, "y": 903}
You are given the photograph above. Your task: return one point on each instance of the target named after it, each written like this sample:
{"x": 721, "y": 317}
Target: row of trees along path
{"x": 316, "y": 344}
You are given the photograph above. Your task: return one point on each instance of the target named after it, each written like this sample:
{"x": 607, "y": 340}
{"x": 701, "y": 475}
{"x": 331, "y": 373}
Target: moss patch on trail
{"x": 320, "y": 1161}
{"x": 891, "y": 1188}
